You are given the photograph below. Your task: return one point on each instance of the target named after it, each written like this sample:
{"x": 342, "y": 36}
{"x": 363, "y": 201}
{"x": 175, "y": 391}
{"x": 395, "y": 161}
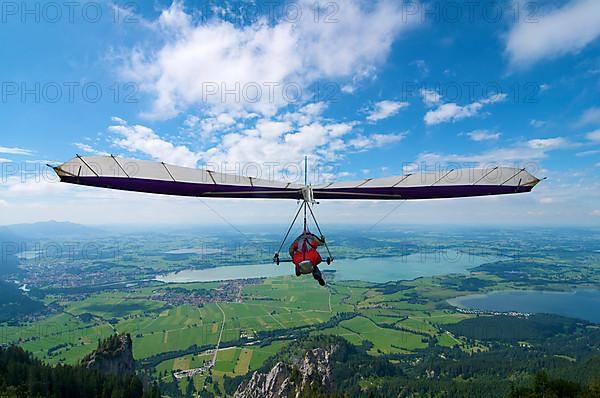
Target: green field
{"x": 395, "y": 319}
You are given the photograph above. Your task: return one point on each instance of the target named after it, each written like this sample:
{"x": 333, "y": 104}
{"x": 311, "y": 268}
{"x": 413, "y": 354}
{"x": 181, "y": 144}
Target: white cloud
{"x": 362, "y": 142}
{"x": 385, "y": 109}
{"x": 271, "y": 142}
{"x": 548, "y": 143}
{"x": 594, "y": 135}
{"x": 348, "y": 89}
{"x": 31, "y": 187}
{"x": 587, "y": 153}
{"x": 596, "y": 213}
{"x": 526, "y": 151}
{"x": 194, "y": 58}
{"x": 546, "y": 200}
{"x": 89, "y": 149}
{"x": 118, "y": 120}
{"x": 211, "y": 125}
{"x": 282, "y": 139}
{"x": 144, "y": 140}
{"x": 560, "y": 31}
{"x": 422, "y": 66}
{"x": 452, "y": 112}
{"x": 537, "y": 123}
{"x": 483, "y": 135}
{"x": 15, "y": 151}
{"x": 430, "y": 97}
{"x": 590, "y": 116}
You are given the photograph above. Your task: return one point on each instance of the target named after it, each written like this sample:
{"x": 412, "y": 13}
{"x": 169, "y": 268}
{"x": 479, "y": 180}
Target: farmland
{"x": 176, "y": 326}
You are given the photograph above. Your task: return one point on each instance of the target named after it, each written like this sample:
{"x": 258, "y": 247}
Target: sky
{"x": 364, "y": 89}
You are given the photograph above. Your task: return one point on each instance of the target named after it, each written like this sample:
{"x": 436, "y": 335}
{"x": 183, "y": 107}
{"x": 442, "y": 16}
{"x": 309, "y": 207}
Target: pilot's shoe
{"x": 317, "y": 275}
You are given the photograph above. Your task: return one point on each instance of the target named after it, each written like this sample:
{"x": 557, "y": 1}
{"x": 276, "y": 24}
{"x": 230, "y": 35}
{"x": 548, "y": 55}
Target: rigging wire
{"x": 290, "y": 228}
{"x": 320, "y": 232}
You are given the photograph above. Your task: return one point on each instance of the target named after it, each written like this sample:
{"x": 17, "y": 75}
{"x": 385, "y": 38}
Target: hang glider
{"x": 161, "y": 178}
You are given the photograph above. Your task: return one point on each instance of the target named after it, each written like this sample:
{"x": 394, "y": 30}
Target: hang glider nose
{"x": 161, "y": 178}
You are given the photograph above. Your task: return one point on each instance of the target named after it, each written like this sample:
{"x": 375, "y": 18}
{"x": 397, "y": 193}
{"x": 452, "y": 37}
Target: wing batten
{"x": 168, "y": 171}
{"x": 486, "y": 174}
{"x": 121, "y": 167}
{"x": 402, "y": 179}
{"x": 510, "y": 178}
{"x": 87, "y": 165}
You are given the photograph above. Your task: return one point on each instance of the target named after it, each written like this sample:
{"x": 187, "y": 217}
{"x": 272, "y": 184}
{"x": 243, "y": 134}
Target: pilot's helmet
{"x": 305, "y": 267}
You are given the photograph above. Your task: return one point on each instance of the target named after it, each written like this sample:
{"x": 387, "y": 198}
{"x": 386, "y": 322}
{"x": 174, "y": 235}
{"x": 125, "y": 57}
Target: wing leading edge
{"x": 161, "y": 178}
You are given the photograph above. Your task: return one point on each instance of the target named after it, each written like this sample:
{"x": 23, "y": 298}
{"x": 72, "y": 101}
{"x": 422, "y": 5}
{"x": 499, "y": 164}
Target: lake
{"x": 368, "y": 269}
{"x": 581, "y": 303}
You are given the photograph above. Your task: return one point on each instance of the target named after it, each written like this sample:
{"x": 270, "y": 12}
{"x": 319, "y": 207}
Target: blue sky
{"x": 386, "y": 86}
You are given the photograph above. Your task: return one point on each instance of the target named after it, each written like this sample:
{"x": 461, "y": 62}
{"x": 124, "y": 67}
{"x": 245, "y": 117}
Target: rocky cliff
{"x": 312, "y": 371}
{"x": 114, "y": 355}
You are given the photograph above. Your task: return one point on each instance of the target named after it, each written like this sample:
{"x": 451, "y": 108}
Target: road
{"x": 220, "y": 335}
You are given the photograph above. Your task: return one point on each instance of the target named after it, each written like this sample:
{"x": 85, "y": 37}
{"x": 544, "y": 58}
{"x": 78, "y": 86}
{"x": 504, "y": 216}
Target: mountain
{"x": 49, "y": 229}
{"x": 114, "y": 355}
{"x": 311, "y": 373}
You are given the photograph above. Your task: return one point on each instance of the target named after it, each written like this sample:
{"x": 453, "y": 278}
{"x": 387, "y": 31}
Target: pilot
{"x": 305, "y": 256}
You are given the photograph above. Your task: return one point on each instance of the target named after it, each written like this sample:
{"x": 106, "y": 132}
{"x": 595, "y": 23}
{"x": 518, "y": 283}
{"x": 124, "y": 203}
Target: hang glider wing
{"x": 454, "y": 183}
{"x": 160, "y": 178}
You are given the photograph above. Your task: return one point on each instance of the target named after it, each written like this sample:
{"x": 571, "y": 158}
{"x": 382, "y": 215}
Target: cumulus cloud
{"x": 272, "y": 142}
{"x": 141, "y": 139}
{"x": 283, "y": 139}
{"x": 196, "y": 62}
{"x": 557, "y": 32}
{"x": 452, "y": 112}
{"x": 385, "y": 109}
{"x": 483, "y": 135}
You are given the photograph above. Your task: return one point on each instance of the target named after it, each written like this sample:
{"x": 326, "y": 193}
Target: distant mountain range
{"x": 48, "y": 229}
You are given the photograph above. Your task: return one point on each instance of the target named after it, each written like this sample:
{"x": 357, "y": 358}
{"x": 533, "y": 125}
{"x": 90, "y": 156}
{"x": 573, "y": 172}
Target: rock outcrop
{"x": 312, "y": 371}
{"x": 114, "y": 356}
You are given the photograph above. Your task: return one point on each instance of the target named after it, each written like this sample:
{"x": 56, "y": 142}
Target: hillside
{"x": 23, "y": 376}
{"x": 342, "y": 370}
{"x": 14, "y": 304}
